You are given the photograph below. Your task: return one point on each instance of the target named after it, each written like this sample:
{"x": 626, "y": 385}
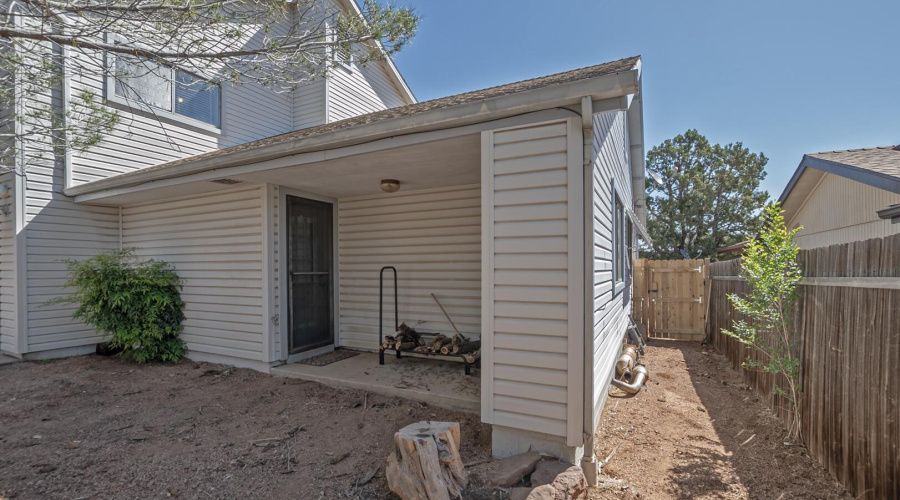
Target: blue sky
{"x": 784, "y": 77}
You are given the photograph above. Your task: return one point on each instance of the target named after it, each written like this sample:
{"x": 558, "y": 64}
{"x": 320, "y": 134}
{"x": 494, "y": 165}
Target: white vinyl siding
{"x": 249, "y": 112}
{"x": 59, "y": 229}
{"x": 433, "y": 238}
{"x": 841, "y": 210}
{"x": 8, "y": 323}
{"x": 528, "y": 328}
{"x": 354, "y": 90}
{"x": 309, "y": 104}
{"x": 215, "y": 242}
{"x": 610, "y": 165}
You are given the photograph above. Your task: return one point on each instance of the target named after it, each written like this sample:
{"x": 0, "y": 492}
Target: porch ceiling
{"x": 450, "y": 162}
{"x": 453, "y": 161}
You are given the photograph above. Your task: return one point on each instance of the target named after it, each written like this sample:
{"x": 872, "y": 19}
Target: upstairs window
{"x": 197, "y": 98}
{"x": 177, "y": 93}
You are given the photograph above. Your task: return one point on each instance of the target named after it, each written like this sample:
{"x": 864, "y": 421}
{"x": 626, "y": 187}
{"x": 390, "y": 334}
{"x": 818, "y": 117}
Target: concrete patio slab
{"x": 436, "y": 382}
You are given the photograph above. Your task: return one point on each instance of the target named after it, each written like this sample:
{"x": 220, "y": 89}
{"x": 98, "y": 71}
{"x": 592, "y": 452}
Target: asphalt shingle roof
{"x": 883, "y": 160}
{"x": 608, "y": 68}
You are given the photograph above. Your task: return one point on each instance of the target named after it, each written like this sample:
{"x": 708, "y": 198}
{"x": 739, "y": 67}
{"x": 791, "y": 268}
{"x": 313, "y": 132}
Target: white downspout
{"x": 589, "y": 463}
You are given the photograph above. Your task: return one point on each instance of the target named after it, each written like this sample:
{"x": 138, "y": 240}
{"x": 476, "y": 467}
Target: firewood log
{"x": 467, "y": 347}
{"x": 406, "y": 346}
{"x": 440, "y": 343}
{"x": 471, "y": 358}
{"x": 436, "y": 342}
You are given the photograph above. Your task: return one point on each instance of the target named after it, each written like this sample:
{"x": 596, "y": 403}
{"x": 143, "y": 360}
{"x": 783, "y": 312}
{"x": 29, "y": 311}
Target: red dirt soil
{"x": 94, "y": 427}
{"x": 696, "y": 431}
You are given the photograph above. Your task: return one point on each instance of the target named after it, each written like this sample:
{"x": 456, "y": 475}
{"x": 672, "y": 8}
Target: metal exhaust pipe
{"x": 640, "y": 374}
{"x": 626, "y": 362}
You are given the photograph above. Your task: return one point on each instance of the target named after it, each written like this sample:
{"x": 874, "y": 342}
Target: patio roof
{"x": 385, "y": 129}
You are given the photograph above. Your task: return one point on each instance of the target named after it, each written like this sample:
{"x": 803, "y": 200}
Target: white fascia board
{"x": 599, "y": 88}
{"x": 388, "y": 60}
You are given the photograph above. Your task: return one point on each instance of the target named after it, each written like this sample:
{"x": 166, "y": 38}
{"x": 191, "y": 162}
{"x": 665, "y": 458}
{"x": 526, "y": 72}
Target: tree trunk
{"x": 425, "y": 464}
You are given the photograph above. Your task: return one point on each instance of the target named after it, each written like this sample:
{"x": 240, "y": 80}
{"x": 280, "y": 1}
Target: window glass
{"x": 629, "y": 241}
{"x": 619, "y": 240}
{"x": 144, "y": 81}
{"x": 196, "y": 98}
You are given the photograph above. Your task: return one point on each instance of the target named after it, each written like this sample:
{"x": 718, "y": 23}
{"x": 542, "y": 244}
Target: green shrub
{"x": 137, "y": 302}
{"x": 769, "y": 265}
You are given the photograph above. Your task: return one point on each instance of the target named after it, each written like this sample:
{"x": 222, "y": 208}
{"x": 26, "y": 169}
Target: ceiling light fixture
{"x": 390, "y": 185}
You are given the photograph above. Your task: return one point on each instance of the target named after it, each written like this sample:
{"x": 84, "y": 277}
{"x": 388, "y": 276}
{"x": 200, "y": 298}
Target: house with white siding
{"x": 518, "y": 205}
{"x": 844, "y": 196}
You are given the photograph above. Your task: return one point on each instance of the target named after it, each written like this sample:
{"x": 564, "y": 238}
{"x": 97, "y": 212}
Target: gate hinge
{"x": 275, "y": 320}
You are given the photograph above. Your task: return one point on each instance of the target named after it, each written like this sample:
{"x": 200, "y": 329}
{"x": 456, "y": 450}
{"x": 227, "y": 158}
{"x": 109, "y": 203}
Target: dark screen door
{"x": 309, "y": 237}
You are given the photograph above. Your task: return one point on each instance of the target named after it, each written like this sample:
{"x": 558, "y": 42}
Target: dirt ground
{"x": 697, "y": 432}
{"x": 93, "y": 428}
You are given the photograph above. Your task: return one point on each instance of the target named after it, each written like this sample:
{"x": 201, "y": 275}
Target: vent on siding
{"x": 227, "y": 182}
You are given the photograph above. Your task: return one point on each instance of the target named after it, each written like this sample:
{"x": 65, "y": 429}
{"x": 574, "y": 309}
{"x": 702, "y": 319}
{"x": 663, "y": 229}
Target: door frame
{"x": 283, "y": 278}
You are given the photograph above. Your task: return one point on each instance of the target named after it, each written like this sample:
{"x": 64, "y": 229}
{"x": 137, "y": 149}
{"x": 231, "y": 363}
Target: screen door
{"x": 310, "y": 271}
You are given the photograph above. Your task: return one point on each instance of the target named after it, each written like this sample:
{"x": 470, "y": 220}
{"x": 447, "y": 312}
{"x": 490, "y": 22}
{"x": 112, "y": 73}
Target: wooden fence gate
{"x": 671, "y": 297}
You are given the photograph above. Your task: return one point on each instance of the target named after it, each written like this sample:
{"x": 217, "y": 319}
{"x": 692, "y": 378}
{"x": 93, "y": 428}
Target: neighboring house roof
{"x": 883, "y": 160}
{"x": 878, "y": 167}
{"x": 306, "y": 139}
{"x": 737, "y": 248}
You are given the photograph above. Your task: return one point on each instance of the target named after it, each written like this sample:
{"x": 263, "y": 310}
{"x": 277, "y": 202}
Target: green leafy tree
{"x": 769, "y": 265}
{"x": 137, "y": 302}
{"x": 710, "y": 197}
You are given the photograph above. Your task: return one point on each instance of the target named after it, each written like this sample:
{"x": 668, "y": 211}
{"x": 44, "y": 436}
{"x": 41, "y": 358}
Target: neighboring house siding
{"x": 354, "y": 90}
{"x": 841, "y": 210}
{"x": 527, "y": 292}
{"x": 610, "y": 165}
{"x": 215, "y": 242}
{"x": 433, "y": 238}
{"x": 8, "y": 324}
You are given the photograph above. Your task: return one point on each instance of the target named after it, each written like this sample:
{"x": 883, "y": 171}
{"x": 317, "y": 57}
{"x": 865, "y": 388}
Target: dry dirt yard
{"x": 697, "y": 432}
{"x": 94, "y": 427}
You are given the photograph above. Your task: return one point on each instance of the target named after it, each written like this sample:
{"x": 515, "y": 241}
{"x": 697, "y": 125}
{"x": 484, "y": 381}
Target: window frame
{"x": 620, "y": 246}
{"x": 111, "y": 97}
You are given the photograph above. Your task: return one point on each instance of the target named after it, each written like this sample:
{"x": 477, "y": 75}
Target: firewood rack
{"x": 399, "y": 353}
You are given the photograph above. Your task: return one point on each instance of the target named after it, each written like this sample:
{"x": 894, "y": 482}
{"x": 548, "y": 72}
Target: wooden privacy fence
{"x": 847, "y": 325}
{"x": 670, "y": 297}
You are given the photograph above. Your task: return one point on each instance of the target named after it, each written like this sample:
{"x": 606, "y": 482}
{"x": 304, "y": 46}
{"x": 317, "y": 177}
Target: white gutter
{"x": 559, "y": 95}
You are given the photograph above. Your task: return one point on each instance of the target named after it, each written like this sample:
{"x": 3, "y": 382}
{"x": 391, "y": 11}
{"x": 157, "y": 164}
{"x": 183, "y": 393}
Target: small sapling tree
{"x": 770, "y": 267}
{"x": 137, "y": 302}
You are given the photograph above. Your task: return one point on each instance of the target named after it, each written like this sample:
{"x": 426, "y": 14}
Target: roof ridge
{"x": 853, "y": 150}
{"x": 541, "y": 77}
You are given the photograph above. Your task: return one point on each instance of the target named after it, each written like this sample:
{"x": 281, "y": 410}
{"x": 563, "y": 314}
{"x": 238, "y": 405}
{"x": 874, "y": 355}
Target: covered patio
{"x": 281, "y": 242}
{"x": 435, "y": 382}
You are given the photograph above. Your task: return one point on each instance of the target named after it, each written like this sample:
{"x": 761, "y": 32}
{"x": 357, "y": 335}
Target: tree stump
{"x": 425, "y": 464}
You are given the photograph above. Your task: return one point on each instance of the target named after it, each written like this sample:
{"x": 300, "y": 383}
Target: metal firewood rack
{"x": 426, "y": 355}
